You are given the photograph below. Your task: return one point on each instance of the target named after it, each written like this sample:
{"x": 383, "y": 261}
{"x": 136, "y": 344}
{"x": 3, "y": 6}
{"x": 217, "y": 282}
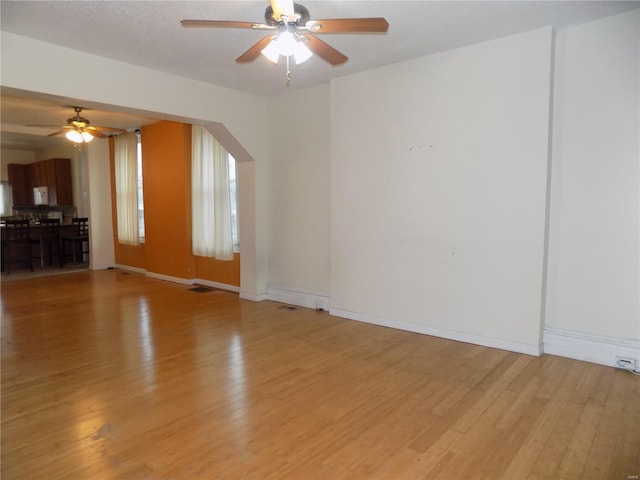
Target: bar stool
{"x": 79, "y": 238}
{"x": 16, "y": 244}
{"x": 48, "y": 239}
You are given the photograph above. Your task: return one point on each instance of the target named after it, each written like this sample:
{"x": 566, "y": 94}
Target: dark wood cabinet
{"x": 31, "y": 180}
{"x": 54, "y": 173}
{"x": 41, "y": 174}
{"x": 49, "y": 175}
{"x": 22, "y": 194}
{"x": 63, "y": 181}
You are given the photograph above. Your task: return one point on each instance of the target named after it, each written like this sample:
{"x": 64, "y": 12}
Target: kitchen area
{"x": 46, "y": 175}
{"x": 42, "y": 189}
{"x": 41, "y": 233}
{"x": 41, "y": 184}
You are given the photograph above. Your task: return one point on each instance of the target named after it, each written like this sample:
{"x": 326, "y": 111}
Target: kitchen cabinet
{"x": 54, "y": 173}
{"x": 31, "y": 180}
{"x": 20, "y": 191}
{"x": 63, "y": 181}
{"x": 40, "y": 174}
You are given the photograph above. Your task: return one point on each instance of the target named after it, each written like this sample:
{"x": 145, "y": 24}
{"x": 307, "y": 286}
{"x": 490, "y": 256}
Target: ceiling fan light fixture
{"x": 77, "y": 136}
{"x": 302, "y": 52}
{"x": 295, "y": 34}
{"x": 77, "y": 129}
{"x": 272, "y": 51}
{"x": 74, "y": 136}
{"x": 86, "y": 136}
{"x": 287, "y": 44}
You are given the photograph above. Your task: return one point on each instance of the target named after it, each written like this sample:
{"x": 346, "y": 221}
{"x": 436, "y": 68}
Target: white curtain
{"x": 126, "y": 163}
{"x": 5, "y": 199}
{"x": 210, "y": 197}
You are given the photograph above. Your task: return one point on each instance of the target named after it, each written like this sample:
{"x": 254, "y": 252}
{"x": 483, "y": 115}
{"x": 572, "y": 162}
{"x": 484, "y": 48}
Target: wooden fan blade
{"x": 254, "y": 52}
{"x": 282, "y": 7}
{"x": 98, "y": 134}
{"x": 225, "y": 24}
{"x": 324, "y": 50}
{"x": 49, "y": 126}
{"x": 56, "y": 133}
{"x": 110, "y": 129}
{"x": 348, "y": 25}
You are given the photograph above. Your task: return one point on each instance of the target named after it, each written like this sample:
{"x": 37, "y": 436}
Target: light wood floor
{"x": 109, "y": 375}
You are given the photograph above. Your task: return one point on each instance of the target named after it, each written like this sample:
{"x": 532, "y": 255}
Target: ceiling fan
{"x": 295, "y": 33}
{"x": 79, "y": 130}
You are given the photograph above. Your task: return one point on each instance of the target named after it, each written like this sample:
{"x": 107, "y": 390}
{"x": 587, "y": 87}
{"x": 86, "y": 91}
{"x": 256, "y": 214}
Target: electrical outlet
{"x": 626, "y": 363}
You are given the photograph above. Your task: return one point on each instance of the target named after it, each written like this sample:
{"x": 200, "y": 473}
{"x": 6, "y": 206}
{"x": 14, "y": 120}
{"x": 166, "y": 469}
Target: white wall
{"x": 299, "y": 194}
{"x": 100, "y": 233}
{"x": 65, "y": 150}
{"x": 101, "y": 83}
{"x": 8, "y": 156}
{"x": 594, "y": 286}
{"x": 439, "y": 183}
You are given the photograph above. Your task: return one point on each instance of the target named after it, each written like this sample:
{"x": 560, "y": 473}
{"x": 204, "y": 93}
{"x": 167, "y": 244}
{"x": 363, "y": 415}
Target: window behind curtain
{"x": 140, "y": 195}
{"x": 234, "y": 203}
{"x": 210, "y": 197}
{"x": 5, "y": 199}
{"x": 126, "y": 173}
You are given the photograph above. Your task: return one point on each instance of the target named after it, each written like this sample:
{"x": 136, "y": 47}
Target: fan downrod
{"x": 301, "y": 16}
{"x": 77, "y": 119}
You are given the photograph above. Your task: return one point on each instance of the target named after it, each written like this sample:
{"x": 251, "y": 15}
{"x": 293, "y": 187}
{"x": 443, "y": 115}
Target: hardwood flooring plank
{"x": 556, "y": 445}
{"x": 504, "y": 451}
{"x": 107, "y": 375}
{"x": 492, "y": 386}
{"x": 577, "y": 452}
{"x": 523, "y": 461}
{"x": 586, "y": 384}
{"x": 598, "y": 462}
{"x": 624, "y": 461}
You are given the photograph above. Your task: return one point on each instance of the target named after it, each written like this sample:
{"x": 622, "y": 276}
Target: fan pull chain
{"x": 288, "y": 82}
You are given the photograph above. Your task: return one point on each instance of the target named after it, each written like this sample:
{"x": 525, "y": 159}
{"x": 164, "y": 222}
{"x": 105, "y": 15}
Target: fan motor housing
{"x": 300, "y": 18}
{"x": 78, "y": 121}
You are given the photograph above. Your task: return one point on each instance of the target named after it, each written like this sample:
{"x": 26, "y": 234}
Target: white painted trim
{"x": 130, "y": 269}
{"x": 589, "y": 347}
{"x": 169, "y": 278}
{"x": 253, "y": 297}
{"x": 182, "y": 281}
{"x": 535, "y": 350}
{"x": 296, "y": 296}
{"x": 218, "y": 285}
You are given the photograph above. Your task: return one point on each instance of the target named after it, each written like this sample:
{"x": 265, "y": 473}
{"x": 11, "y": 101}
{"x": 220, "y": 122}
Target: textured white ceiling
{"x": 148, "y": 33}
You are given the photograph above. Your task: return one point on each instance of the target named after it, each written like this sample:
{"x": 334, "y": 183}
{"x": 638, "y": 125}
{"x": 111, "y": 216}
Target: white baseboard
{"x": 130, "y": 269}
{"x": 253, "y": 297}
{"x": 322, "y": 300}
{"x": 583, "y": 346}
{"x": 302, "y": 298}
{"x": 588, "y": 347}
{"x": 169, "y": 278}
{"x": 182, "y": 281}
{"x": 535, "y": 350}
{"x": 158, "y": 276}
{"x": 218, "y": 285}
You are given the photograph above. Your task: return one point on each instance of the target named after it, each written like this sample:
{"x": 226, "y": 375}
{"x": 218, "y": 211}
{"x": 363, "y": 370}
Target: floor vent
{"x": 287, "y": 307}
{"x": 201, "y": 289}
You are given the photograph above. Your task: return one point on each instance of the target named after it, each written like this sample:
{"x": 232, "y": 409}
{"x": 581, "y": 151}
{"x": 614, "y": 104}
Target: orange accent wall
{"x": 227, "y": 272}
{"x": 166, "y": 173}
